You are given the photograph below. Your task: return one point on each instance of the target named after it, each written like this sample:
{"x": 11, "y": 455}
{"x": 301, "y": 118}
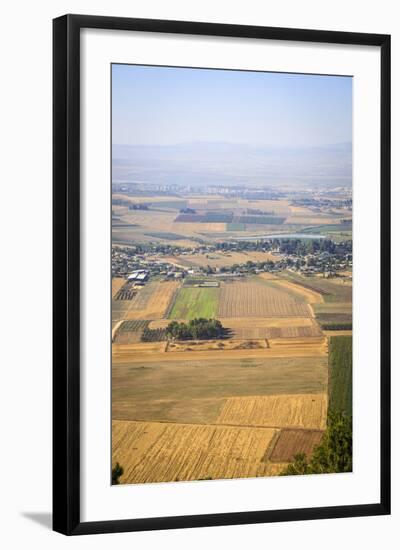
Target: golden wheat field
{"x": 159, "y": 452}
{"x": 279, "y": 411}
{"x": 153, "y": 300}
{"x": 252, "y": 299}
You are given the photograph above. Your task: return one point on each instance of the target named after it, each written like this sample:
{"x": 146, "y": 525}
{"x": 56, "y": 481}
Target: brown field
{"x": 251, "y": 299}
{"x": 117, "y": 283}
{"x": 156, "y": 452}
{"x": 277, "y": 411}
{"x": 129, "y": 332}
{"x": 152, "y": 300}
{"x": 291, "y": 442}
{"x": 311, "y": 296}
{"x": 266, "y": 322}
{"x": 217, "y": 345}
{"x": 273, "y": 327}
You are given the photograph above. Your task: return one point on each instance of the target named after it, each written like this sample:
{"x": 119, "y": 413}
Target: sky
{"x": 168, "y": 106}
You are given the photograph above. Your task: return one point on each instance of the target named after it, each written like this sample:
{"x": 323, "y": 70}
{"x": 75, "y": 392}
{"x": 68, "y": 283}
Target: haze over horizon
{"x": 202, "y": 126}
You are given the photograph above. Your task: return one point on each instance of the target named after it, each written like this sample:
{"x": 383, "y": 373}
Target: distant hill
{"x": 224, "y": 164}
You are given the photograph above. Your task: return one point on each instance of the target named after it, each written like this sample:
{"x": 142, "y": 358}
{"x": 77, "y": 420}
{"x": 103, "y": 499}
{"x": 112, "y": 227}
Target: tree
{"x": 116, "y": 473}
{"x": 196, "y": 328}
{"x": 333, "y": 455}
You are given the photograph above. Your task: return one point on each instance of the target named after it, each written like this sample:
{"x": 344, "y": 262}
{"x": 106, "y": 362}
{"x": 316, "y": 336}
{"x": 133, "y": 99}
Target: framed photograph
{"x": 221, "y": 274}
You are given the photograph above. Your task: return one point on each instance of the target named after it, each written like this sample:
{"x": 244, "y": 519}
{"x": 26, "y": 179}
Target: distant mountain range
{"x": 227, "y": 164}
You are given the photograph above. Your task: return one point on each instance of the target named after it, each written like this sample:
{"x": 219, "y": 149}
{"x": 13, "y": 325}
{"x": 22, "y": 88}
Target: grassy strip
{"x": 340, "y": 374}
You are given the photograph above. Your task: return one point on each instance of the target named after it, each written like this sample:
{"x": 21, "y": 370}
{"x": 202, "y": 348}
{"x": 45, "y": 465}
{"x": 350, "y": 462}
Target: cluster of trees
{"x": 333, "y": 455}
{"x": 116, "y": 473}
{"x": 197, "y": 329}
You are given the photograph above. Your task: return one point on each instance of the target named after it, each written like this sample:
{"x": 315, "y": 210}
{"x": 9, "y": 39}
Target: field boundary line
{"x": 219, "y": 424}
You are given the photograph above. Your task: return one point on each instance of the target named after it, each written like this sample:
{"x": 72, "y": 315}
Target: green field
{"x": 195, "y": 391}
{"x": 195, "y": 302}
{"x": 340, "y": 374}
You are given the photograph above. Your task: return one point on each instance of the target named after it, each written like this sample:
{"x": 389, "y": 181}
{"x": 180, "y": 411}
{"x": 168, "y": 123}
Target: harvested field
{"x": 153, "y": 300}
{"x": 302, "y": 346}
{"x": 195, "y": 302}
{"x": 279, "y": 411}
{"x": 217, "y": 345}
{"x": 310, "y": 296}
{"x": 154, "y": 452}
{"x": 195, "y": 391}
{"x": 252, "y": 299}
{"x": 117, "y": 283}
{"x": 274, "y": 327}
{"x": 292, "y": 442}
{"x": 331, "y": 292}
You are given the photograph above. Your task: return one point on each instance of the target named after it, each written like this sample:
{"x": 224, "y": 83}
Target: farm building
{"x": 139, "y": 275}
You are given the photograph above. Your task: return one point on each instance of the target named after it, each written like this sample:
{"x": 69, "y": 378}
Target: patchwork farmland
{"x": 242, "y": 404}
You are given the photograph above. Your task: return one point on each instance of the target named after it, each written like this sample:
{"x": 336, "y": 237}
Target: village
{"x": 140, "y": 263}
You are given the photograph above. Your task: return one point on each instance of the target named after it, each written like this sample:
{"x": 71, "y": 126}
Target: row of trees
{"x": 197, "y": 329}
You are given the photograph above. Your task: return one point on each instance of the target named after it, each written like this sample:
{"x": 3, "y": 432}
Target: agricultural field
{"x": 252, "y": 299}
{"x": 340, "y": 374}
{"x": 279, "y": 411}
{"x": 155, "y": 452}
{"x": 292, "y": 442}
{"x": 153, "y": 300}
{"x": 295, "y": 290}
{"x": 130, "y": 332}
{"x": 330, "y": 291}
{"x": 242, "y": 405}
{"x": 195, "y": 302}
{"x": 196, "y": 390}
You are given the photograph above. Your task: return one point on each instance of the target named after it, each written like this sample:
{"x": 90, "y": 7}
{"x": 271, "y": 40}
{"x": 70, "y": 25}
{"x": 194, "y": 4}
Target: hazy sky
{"x": 162, "y": 105}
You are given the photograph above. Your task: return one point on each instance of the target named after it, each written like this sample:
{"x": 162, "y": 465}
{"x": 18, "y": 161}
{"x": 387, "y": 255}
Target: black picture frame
{"x": 66, "y": 273}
